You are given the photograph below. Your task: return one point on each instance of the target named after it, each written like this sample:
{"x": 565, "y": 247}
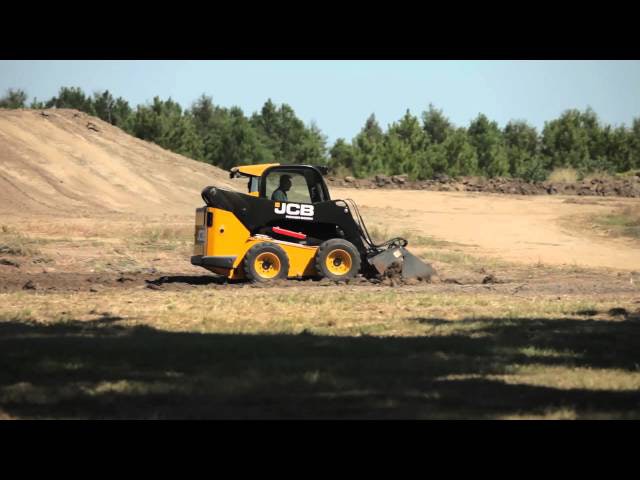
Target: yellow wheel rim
{"x": 267, "y": 265}
{"x": 338, "y": 262}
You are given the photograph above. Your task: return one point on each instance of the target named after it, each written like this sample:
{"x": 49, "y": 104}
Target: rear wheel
{"x": 337, "y": 259}
{"x": 266, "y": 261}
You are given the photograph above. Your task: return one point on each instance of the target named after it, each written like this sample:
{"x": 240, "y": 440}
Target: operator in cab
{"x": 280, "y": 193}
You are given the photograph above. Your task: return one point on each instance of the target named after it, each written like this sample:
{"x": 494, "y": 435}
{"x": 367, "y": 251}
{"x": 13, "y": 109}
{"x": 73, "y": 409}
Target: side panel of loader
{"x": 225, "y": 235}
{"x": 220, "y": 238}
{"x": 222, "y": 242}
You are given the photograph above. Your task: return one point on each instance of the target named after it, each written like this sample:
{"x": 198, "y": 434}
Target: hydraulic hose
{"x": 355, "y": 211}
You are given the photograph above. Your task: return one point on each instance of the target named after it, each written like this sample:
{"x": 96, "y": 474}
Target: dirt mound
{"x": 604, "y": 187}
{"x": 61, "y": 160}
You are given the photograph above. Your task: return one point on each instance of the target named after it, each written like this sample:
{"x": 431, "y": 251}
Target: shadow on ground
{"x": 101, "y": 369}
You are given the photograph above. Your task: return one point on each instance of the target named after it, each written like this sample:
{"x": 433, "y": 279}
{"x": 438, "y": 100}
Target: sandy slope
{"x": 56, "y": 164}
{"x": 528, "y": 229}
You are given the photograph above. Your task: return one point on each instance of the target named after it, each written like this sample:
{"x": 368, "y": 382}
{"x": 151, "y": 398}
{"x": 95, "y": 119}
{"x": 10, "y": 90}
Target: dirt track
{"x": 118, "y": 253}
{"x": 520, "y": 229}
{"x": 543, "y": 284}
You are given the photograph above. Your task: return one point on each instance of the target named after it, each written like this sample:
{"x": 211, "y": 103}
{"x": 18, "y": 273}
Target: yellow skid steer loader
{"x": 287, "y": 226}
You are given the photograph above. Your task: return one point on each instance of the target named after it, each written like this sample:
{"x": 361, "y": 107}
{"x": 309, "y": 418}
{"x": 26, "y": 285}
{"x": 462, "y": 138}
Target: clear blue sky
{"x": 340, "y": 95}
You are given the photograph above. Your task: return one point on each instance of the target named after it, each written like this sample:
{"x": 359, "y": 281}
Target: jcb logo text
{"x": 294, "y": 209}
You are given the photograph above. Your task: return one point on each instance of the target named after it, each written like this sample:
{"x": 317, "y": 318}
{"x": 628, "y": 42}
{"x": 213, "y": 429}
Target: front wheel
{"x": 337, "y": 259}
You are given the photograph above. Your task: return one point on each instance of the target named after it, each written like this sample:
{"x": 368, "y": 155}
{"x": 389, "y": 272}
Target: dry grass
{"x": 15, "y": 243}
{"x": 343, "y": 311}
{"x": 99, "y": 246}
{"x": 330, "y": 352}
{"x": 622, "y": 222}
{"x": 446, "y": 257}
{"x": 563, "y": 175}
{"x": 600, "y": 175}
{"x": 161, "y": 238}
{"x": 629, "y": 173}
{"x": 167, "y": 233}
{"x": 380, "y": 234}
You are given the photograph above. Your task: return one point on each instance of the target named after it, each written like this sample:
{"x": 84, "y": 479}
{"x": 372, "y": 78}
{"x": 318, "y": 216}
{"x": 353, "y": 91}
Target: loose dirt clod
{"x": 393, "y": 277}
{"x": 394, "y": 271}
{"x": 37, "y": 260}
{"x": 11, "y": 263}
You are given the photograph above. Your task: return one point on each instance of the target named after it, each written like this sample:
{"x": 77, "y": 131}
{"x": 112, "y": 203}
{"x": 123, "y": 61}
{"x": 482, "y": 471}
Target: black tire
{"x": 265, "y": 249}
{"x": 337, "y": 247}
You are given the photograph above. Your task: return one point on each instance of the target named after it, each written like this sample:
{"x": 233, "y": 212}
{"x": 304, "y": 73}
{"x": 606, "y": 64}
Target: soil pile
{"x": 65, "y": 161}
{"x": 604, "y": 187}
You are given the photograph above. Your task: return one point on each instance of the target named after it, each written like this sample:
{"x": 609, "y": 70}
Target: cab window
{"x": 253, "y": 184}
{"x": 306, "y": 186}
{"x": 298, "y": 191}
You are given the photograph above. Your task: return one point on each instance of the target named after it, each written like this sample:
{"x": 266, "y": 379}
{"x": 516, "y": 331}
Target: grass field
{"x": 328, "y": 352}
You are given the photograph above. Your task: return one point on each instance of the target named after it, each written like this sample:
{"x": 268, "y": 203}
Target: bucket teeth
{"x": 412, "y": 266}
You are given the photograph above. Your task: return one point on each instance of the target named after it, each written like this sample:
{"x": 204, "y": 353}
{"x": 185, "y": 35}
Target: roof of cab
{"x": 252, "y": 170}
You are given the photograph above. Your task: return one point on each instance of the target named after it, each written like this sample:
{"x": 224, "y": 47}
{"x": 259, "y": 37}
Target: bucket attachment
{"x": 412, "y": 266}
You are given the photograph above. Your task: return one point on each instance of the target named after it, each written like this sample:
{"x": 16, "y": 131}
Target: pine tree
{"x": 342, "y": 158}
{"x": 72, "y": 97}
{"x": 121, "y": 114}
{"x": 461, "y": 156}
{"x": 634, "y": 143}
{"x": 565, "y": 143}
{"x": 415, "y": 161}
{"x": 523, "y": 151}
{"x": 368, "y": 146}
{"x": 487, "y": 139}
{"x": 103, "y": 104}
{"x": 14, "y": 99}
{"x": 436, "y": 125}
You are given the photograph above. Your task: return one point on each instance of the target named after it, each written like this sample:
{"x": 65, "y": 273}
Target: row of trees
{"x": 432, "y": 145}
{"x": 420, "y": 147}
